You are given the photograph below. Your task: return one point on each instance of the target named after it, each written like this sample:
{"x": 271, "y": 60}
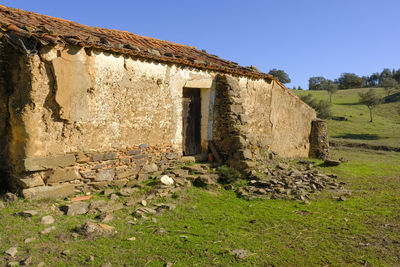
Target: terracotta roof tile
{"x": 55, "y": 30}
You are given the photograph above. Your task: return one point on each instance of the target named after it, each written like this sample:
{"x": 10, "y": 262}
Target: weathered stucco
{"x": 277, "y": 120}
{"x": 96, "y": 101}
{"x": 68, "y": 104}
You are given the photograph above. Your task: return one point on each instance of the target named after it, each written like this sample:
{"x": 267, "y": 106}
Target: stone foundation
{"x": 62, "y": 175}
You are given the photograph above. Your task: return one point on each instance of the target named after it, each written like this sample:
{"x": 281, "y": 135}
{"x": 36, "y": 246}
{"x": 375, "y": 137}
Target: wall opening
{"x": 191, "y": 120}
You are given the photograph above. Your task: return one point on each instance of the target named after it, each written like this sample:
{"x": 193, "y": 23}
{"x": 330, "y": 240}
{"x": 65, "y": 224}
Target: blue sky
{"x": 303, "y": 37}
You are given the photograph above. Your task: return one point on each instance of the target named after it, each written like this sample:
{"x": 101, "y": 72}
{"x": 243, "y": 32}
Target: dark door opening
{"x": 191, "y": 121}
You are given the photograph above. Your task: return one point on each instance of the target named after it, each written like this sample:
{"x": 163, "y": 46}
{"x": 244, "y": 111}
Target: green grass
{"x": 385, "y": 130}
{"x": 208, "y": 225}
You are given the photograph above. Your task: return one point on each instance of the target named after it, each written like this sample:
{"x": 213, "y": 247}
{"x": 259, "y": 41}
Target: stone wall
{"x": 85, "y": 172}
{"x": 319, "y": 144}
{"x": 67, "y": 104}
{"x": 277, "y": 120}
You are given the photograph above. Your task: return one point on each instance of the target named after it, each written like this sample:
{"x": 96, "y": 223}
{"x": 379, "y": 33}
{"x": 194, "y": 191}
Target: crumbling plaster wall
{"x": 78, "y": 116}
{"x": 96, "y": 101}
{"x": 276, "y": 119}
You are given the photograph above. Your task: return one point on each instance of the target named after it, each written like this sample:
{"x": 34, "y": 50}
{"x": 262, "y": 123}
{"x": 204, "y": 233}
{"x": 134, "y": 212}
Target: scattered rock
{"x": 75, "y": 235}
{"x": 48, "y": 230}
{"x": 165, "y": 179}
{"x": 131, "y": 238}
{"x": 166, "y": 206}
{"x": 160, "y": 231}
{"x": 12, "y": 263}
{"x": 47, "y": 220}
{"x": 90, "y": 258}
{"x": 144, "y": 202}
{"x": 96, "y": 229}
{"x": 66, "y": 252}
{"x": 28, "y": 213}
{"x": 239, "y": 253}
{"x": 29, "y": 240}
{"x": 140, "y": 212}
{"x": 282, "y": 166}
{"x": 342, "y": 198}
{"x": 106, "y": 217}
{"x": 197, "y": 169}
{"x": 107, "y": 264}
{"x": 114, "y": 197}
{"x": 203, "y": 180}
{"x": 127, "y": 191}
{"x": 10, "y": 197}
{"x": 229, "y": 187}
{"x": 1, "y": 205}
{"x": 108, "y": 191}
{"x": 95, "y": 205}
{"x": 26, "y": 262}
{"x": 41, "y": 264}
{"x": 76, "y": 208}
{"x": 12, "y": 251}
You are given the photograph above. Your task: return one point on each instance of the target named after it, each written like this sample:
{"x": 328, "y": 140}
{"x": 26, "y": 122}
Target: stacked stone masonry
{"x": 66, "y": 174}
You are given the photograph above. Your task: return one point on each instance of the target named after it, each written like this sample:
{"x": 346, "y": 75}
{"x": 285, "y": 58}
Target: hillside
{"x": 356, "y": 128}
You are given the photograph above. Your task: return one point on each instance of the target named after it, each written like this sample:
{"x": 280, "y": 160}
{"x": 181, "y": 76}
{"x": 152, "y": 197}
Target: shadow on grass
{"x": 392, "y": 98}
{"x": 360, "y": 136}
{"x": 348, "y": 104}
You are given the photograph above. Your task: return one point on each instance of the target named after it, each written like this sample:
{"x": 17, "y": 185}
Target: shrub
{"x": 228, "y": 175}
{"x": 323, "y": 108}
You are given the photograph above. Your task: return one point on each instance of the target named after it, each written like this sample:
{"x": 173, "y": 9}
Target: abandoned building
{"x": 84, "y": 106}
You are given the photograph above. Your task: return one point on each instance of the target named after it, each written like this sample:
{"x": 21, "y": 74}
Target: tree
{"x": 350, "y": 80}
{"x": 373, "y": 79}
{"x": 371, "y": 100}
{"x": 299, "y": 88}
{"x": 315, "y": 83}
{"x": 396, "y": 75}
{"x": 323, "y": 108}
{"x": 280, "y": 74}
{"x": 389, "y": 84}
{"x": 386, "y": 73}
{"x": 332, "y": 89}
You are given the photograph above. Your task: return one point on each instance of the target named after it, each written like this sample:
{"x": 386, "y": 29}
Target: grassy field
{"x": 385, "y": 130}
{"x": 208, "y": 225}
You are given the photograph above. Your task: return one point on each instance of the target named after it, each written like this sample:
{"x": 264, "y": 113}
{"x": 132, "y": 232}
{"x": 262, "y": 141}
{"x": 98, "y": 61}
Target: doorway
{"x": 191, "y": 119}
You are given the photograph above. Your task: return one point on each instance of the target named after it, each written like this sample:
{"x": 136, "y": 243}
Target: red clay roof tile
{"x": 55, "y": 30}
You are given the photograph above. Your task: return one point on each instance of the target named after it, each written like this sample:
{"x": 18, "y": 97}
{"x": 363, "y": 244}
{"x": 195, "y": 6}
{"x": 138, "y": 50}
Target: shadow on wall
{"x": 360, "y": 136}
{"x": 3, "y": 182}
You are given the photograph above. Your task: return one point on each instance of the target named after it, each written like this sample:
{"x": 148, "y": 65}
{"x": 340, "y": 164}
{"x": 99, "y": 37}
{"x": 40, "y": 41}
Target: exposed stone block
{"x": 32, "y": 180}
{"x": 45, "y": 192}
{"x": 133, "y": 152}
{"x": 149, "y": 168}
{"x": 127, "y": 173}
{"x": 45, "y": 163}
{"x": 119, "y": 183}
{"x": 105, "y": 175}
{"x": 82, "y": 158}
{"x": 319, "y": 144}
{"x": 105, "y": 156}
{"x": 98, "y": 185}
{"x": 62, "y": 175}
